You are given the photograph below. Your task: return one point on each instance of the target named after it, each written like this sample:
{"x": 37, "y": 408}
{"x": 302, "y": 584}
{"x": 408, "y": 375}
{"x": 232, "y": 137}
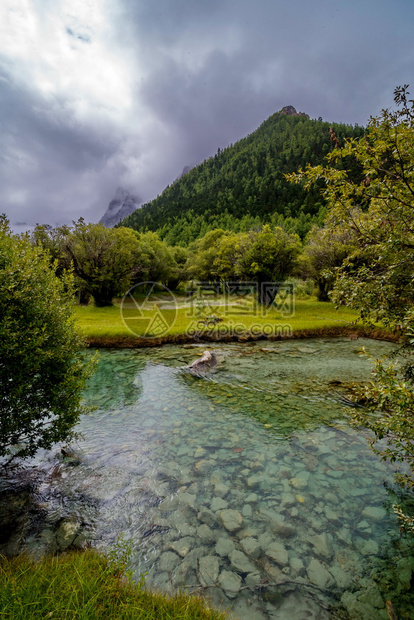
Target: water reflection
{"x": 117, "y": 382}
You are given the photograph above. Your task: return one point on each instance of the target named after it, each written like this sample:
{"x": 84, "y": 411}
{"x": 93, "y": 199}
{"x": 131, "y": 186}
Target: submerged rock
{"x": 187, "y": 499}
{"x": 251, "y": 547}
{"x": 319, "y": 575}
{"x": 322, "y": 544}
{"x": 277, "y": 524}
{"x": 207, "y": 517}
{"x": 218, "y": 504}
{"x": 277, "y": 552}
{"x": 343, "y": 579}
{"x": 370, "y": 547}
{"x": 245, "y": 608}
{"x": 375, "y": 513}
{"x": 168, "y": 561}
{"x": 298, "y": 483}
{"x": 208, "y": 570}
{"x": 297, "y": 566}
{"x": 230, "y": 582}
{"x": 184, "y": 574}
{"x": 182, "y": 546}
{"x": 298, "y": 605}
{"x": 221, "y": 489}
{"x": 225, "y": 546}
{"x": 252, "y": 579}
{"x": 241, "y": 562}
{"x": 231, "y": 519}
{"x": 205, "y": 534}
{"x": 247, "y": 511}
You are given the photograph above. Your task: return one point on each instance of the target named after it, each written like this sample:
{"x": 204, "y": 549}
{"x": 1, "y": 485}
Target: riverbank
{"x": 84, "y": 584}
{"x": 132, "y": 342}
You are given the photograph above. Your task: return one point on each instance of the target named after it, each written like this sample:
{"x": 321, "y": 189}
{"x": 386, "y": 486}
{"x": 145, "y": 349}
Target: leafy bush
{"x": 42, "y": 372}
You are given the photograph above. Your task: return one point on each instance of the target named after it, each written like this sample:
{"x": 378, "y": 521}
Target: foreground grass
{"x": 83, "y": 586}
{"x": 308, "y": 315}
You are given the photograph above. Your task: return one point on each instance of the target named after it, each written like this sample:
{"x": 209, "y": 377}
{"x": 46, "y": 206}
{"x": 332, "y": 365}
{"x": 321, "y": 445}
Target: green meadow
{"x": 158, "y": 319}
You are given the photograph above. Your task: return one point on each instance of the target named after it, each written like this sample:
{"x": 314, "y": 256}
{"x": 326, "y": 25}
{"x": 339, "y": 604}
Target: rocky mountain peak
{"x": 120, "y": 207}
{"x": 185, "y": 171}
{"x": 289, "y": 110}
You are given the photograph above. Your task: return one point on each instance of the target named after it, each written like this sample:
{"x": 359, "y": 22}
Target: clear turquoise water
{"x": 249, "y": 477}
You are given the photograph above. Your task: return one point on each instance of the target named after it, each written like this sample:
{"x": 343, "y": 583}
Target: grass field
{"x": 158, "y": 319}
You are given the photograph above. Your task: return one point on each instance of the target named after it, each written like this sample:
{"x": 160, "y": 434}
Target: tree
{"x": 228, "y": 255}
{"x": 203, "y": 252}
{"x": 377, "y": 210}
{"x": 179, "y": 271}
{"x": 267, "y": 256}
{"x": 105, "y": 259}
{"x": 324, "y": 251}
{"x": 54, "y": 241}
{"x": 157, "y": 264}
{"x": 263, "y": 256}
{"x": 377, "y": 279}
{"x": 42, "y": 372}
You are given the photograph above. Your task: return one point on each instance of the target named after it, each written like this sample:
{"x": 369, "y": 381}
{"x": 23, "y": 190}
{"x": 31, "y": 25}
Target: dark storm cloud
{"x": 49, "y": 128}
{"x": 207, "y": 110}
{"x": 338, "y": 60}
{"x": 201, "y": 75}
{"x": 47, "y": 155}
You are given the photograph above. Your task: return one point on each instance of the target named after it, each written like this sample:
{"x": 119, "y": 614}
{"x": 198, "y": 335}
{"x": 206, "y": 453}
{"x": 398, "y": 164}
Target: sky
{"x": 100, "y": 94}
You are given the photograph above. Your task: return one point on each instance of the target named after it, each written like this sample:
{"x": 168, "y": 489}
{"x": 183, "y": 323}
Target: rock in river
{"x": 277, "y": 552}
{"x": 182, "y": 546}
{"x": 241, "y": 562}
{"x": 319, "y": 575}
{"x": 231, "y": 519}
{"x": 208, "y": 569}
{"x": 230, "y": 582}
{"x": 224, "y": 546}
{"x": 168, "y": 561}
{"x": 203, "y": 364}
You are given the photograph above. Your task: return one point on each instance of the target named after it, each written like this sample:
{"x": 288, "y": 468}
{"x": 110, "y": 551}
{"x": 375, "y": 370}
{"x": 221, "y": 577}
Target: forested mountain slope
{"x": 243, "y": 185}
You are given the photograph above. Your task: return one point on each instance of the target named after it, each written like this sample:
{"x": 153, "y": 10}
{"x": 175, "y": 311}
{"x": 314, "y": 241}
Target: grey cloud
{"x": 339, "y": 60}
{"x": 208, "y": 110}
{"x": 339, "y": 52}
{"x": 51, "y": 158}
{"x": 165, "y": 22}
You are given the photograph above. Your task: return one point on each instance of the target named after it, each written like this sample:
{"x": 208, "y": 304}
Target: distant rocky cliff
{"x": 289, "y": 110}
{"x": 120, "y": 207}
{"x": 185, "y": 171}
